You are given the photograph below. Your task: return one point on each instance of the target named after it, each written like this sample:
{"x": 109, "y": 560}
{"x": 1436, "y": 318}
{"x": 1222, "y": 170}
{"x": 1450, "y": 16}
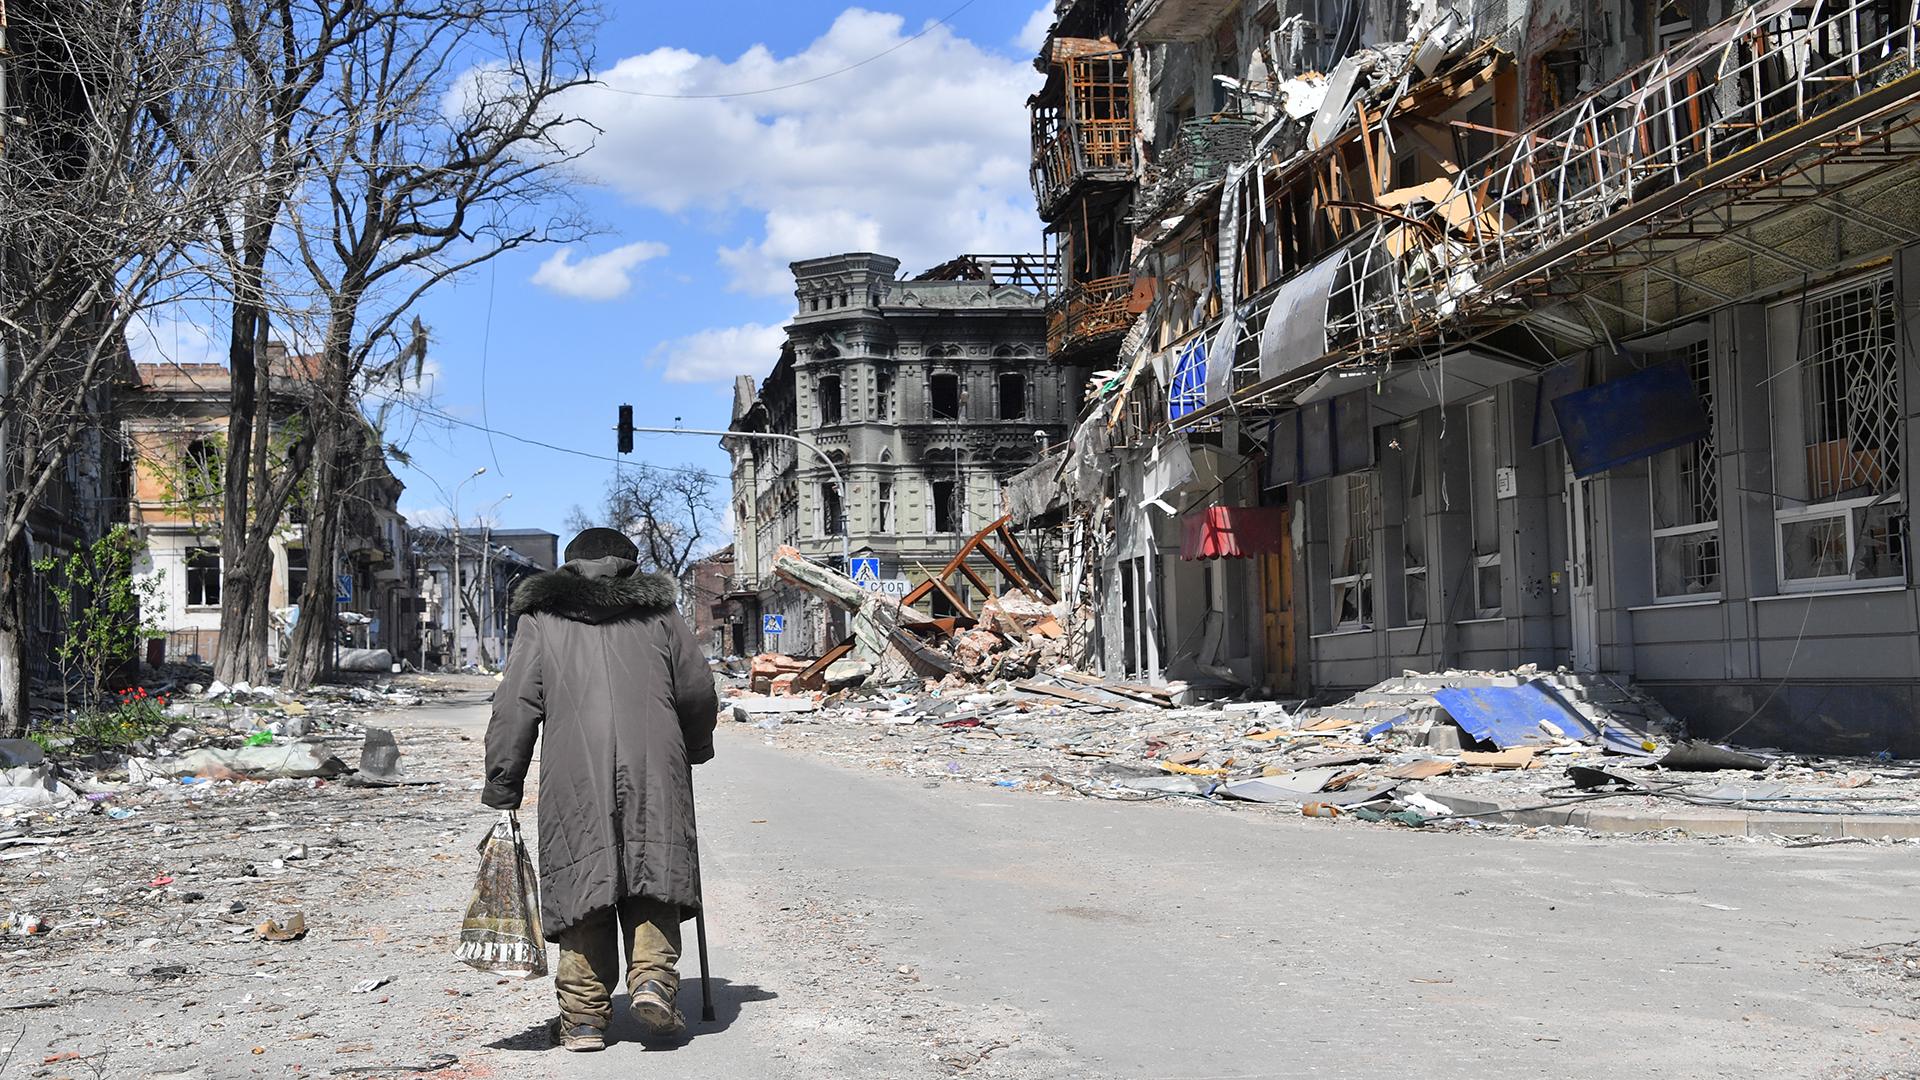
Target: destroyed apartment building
{"x": 1435, "y": 337}
{"x": 924, "y": 393}
{"x": 174, "y": 420}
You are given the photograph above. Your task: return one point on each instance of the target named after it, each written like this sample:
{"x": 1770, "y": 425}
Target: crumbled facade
{"x": 1576, "y": 335}
{"x": 926, "y": 393}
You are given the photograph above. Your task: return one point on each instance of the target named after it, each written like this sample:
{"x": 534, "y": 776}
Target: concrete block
{"x": 1623, "y": 821}
{"x": 748, "y": 709}
{"x": 1871, "y": 827}
{"x": 1765, "y": 824}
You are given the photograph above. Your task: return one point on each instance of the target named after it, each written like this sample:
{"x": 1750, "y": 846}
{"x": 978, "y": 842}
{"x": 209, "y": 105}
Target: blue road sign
{"x": 772, "y": 624}
{"x": 866, "y": 573}
{"x": 343, "y": 593}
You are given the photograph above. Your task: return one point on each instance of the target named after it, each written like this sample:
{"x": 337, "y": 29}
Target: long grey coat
{"x": 605, "y": 664}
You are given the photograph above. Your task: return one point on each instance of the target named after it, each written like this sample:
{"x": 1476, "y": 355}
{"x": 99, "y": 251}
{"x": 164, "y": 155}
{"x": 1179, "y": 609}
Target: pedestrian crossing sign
{"x": 866, "y": 573}
{"x": 772, "y": 624}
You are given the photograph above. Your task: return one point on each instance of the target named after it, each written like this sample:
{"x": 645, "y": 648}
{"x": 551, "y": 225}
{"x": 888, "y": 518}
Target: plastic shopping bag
{"x": 501, "y": 932}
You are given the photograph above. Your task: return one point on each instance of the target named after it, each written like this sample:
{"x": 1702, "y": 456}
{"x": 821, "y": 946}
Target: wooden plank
{"x": 1065, "y": 694}
{"x": 818, "y": 668}
{"x": 1020, "y": 556}
{"x": 1132, "y": 693}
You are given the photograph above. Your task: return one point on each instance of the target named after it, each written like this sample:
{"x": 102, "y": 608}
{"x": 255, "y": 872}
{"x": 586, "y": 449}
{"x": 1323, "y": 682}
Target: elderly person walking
{"x": 604, "y": 664}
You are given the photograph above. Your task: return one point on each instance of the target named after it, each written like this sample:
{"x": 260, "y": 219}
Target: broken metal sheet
{"x": 1296, "y": 329}
{"x": 1509, "y": 716}
{"x": 1287, "y": 787}
{"x": 1342, "y": 87}
{"x": 1698, "y": 755}
{"x": 1629, "y": 418}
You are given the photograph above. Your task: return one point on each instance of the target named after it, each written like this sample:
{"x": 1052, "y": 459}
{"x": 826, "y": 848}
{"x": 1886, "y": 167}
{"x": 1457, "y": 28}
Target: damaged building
{"x": 1434, "y": 337}
{"x": 925, "y": 393}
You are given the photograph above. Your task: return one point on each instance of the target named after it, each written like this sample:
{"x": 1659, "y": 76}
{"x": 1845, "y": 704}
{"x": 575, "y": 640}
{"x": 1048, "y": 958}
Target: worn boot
{"x": 653, "y": 1007}
{"x": 579, "y": 1038}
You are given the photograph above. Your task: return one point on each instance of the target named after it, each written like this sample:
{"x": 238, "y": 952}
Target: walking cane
{"x": 700, "y": 915}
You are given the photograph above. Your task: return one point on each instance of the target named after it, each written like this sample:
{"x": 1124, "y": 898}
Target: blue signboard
{"x": 866, "y": 573}
{"x": 344, "y": 592}
{"x": 772, "y": 624}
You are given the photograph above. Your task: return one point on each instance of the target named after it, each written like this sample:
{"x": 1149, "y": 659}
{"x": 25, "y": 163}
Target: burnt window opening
{"x": 203, "y": 577}
{"x": 828, "y": 393}
{"x": 1013, "y": 396}
{"x": 885, "y": 511}
{"x": 200, "y": 470}
{"x": 946, "y": 507}
{"x": 943, "y": 400}
{"x": 833, "y": 521}
{"x": 883, "y": 394}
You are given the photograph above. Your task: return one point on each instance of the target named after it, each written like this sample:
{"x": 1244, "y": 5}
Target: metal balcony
{"x": 1087, "y": 312}
{"x": 1082, "y": 126}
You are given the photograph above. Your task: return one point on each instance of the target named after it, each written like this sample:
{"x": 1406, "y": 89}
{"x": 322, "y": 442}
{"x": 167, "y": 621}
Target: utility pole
{"x": 454, "y": 504}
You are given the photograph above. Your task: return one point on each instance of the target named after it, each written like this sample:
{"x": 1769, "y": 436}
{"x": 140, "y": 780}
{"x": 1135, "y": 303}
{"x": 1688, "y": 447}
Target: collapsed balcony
{"x": 1086, "y": 313}
{"x": 1082, "y": 121}
{"x": 1691, "y": 182}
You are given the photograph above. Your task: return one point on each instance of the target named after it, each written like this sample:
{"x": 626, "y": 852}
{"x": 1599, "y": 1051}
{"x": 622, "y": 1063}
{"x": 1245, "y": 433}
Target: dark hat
{"x": 599, "y": 544}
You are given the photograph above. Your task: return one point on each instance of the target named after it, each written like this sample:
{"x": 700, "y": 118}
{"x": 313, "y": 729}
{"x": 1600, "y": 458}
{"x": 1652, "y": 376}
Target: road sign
{"x": 772, "y": 624}
{"x": 866, "y": 573}
{"x": 343, "y": 592}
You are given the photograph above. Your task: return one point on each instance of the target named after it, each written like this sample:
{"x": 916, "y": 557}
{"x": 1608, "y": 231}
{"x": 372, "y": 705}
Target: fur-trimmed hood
{"x": 595, "y": 590}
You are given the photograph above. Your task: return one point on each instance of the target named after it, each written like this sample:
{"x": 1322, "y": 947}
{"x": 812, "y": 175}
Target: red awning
{"x": 1233, "y": 532}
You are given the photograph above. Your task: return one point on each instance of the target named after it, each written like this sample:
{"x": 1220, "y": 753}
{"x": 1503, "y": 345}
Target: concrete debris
{"x": 297, "y": 760}
{"x": 1392, "y": 750}
{"x": 365, "y": 660}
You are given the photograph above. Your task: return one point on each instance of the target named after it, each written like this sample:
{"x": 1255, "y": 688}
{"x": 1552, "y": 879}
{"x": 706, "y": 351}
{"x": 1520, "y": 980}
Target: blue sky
{"x": 920, "y": 154}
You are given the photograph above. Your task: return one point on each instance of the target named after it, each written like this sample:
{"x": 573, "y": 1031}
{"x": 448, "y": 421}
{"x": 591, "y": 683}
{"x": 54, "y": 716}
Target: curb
{"x": 1699, "y": 821}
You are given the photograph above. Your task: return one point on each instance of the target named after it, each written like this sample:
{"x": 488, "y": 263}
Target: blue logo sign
{"x": 772, "y": 624}
{"x": 344, "y": 592}
{"x": 865, "y": 573}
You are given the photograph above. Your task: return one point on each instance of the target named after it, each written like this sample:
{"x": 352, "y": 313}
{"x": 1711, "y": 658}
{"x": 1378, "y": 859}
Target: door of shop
{"x": 1276, "y": 614}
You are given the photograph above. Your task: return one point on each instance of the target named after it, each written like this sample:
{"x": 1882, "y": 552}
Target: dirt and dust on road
{"x": 220, "y": 921}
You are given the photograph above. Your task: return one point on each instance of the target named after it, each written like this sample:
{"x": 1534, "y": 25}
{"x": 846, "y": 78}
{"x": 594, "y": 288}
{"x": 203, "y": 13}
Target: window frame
{"x": 1490, "y": 456}
{"x": 189, "y": 572}
{"x": 1413, "y": 493}
{"x": 1346, "y": 526}
{"x": 1707, "y": 457}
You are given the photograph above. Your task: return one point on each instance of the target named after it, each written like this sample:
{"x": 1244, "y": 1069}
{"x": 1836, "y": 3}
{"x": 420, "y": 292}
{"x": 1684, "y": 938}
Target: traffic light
{"x": 626, "y": 429}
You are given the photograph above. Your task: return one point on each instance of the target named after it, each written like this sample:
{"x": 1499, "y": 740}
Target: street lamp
{"x": 486, "y": 563}
{"x": 453, "y": 502}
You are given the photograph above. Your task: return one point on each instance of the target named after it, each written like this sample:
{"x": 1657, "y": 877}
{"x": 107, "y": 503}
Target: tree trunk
{"x": 15, "y": 710}
{"x": 311, "y": 650}
{"x": 479, "y": 630}
{"x": 237, "y": 582}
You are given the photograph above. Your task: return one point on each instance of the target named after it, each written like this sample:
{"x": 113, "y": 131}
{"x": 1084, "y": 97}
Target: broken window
{"x": 943, "y": 397}
{"x": 1013, "y": 396}
{"x": 1686, "y": 498}
{"x": 1413, "y": 524}
{"x": 884, "y": 509}
{"x": 883, "y": 394}
{"x": 200, "y": 470}
{"x": 946, "y": 508}
{"x": 203, "y": 577}
{"x": 296, "y": 574}
{"x": 1350, "y": 546}
{"x": 827, "y": 392}
{"x": 833, "y": 521}
{"x": 1483, "y": 507}
{"x": 1837, "y": 445}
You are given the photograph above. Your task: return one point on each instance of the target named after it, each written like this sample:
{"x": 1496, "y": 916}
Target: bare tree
{"x": 97, "y": 219}
{"x": 446, "y": 142}
{"x": 668, "y": 513}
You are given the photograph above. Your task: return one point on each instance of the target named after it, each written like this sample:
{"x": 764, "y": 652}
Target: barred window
{"x": 1685, "y": 490}
{"x": 1350, "y": 510}
{"x": 1840, "y": 511}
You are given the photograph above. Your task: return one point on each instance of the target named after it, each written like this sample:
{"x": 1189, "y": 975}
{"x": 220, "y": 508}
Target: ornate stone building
{"x": 926, "y": 393}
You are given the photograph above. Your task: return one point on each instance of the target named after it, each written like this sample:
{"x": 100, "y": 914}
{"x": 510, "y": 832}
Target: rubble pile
{"x": 1455, "y": 748}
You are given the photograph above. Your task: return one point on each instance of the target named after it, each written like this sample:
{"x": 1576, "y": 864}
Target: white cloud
{"x": 719, "y": 354}
{"x": 595, "y": 277}
{"x": 921, "y": 153}
{"x": 1034, "y": 34}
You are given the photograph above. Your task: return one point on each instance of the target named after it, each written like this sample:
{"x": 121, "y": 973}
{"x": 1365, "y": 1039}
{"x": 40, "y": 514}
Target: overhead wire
{"x": 449, "y": 418}
{"x": 896, "y": 47}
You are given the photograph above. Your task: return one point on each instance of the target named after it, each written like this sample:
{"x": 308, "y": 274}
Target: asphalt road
{"x": 865, "y": 924}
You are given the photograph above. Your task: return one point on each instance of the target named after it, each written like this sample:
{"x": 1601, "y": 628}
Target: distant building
{"x": 925, "y": 393}
{"x": 479, "y": 630}
{"x": 719, "y": 626}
